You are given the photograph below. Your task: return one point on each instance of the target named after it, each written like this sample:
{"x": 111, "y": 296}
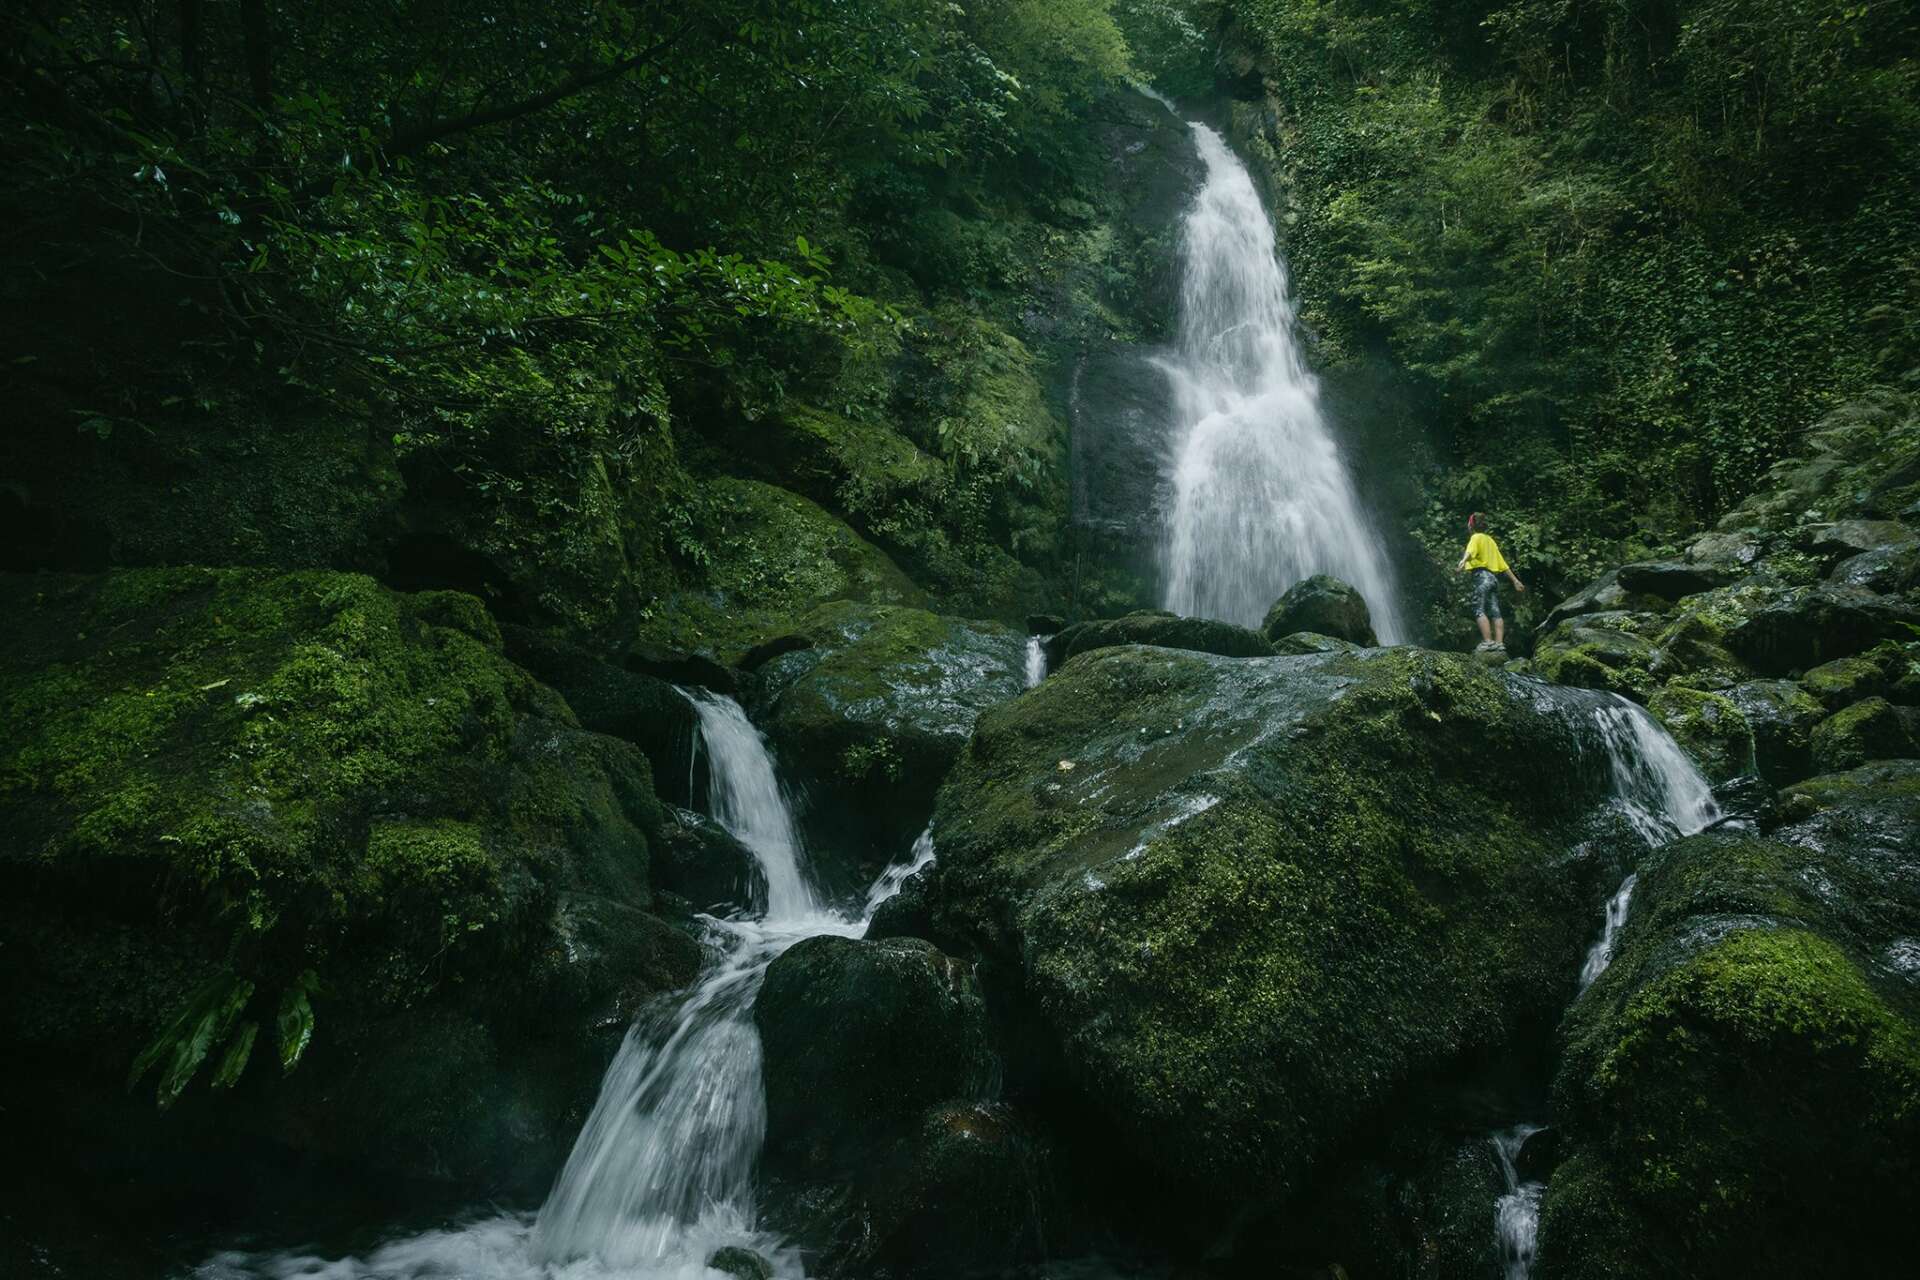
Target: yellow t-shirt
{"x": 1483, "y": 553}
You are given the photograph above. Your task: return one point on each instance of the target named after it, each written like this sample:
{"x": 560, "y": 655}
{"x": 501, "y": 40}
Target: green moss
{"x": 1254, "y": 896}
{"x": 1709, "y": 726}
{"x": 1869, "y": 730}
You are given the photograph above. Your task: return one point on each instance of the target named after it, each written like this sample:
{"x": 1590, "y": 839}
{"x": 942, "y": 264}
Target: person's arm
{"x": 1518, "y": 585}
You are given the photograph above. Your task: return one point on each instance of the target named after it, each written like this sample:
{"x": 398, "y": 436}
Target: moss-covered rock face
{"x": 1781, "y": 716}
{"x": 873, "y": 712}
{"x": 1710, "y": 726}
{"x": 1871, "y": 730}
{"x": 1742, "y": 1085}
{"x": 770, "y": 557}
{"x": 245, "y": 811}
{"x": 1323, "y": 605}
{"x": 1248, "y": 898}
{"x": 881, "y": 1142}
{"x": 1610, "y": 651}
{"x": 1203, "y": 635}
{"x": 1844, "y": 681}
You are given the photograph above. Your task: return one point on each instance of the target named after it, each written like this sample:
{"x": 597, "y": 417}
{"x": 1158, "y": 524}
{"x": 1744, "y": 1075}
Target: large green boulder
{"x": 1781, "y": 716}
{"x": 1710, "y": 726}
{"x": 1246, "y": 900}
{"x": 1807, "y": 626}
{"x": 1602, "y": 651}
{"x": 1741, "y": 1087}
{"x": 1874, "y": 729}
{"x": 871, "y": 714}
{"x": 883, "y": 1148}
{"x": 1203, "y": 635}
{"x": 1323, "y": 605}
{"x": 251, "y": 819}
{"x": 1845, "y": 681}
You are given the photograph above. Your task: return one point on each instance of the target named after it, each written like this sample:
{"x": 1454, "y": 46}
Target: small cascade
{"x": 1036, "y": 661}
{"x": 1261, "y": 495}
{"x": 1601, "y": 954}
{"x": 1516, "y": 1214}
{"x": 662, "y": 1174}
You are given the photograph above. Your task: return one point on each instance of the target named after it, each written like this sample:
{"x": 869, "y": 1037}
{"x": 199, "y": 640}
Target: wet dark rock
{"x": 1889, "y": 570}
{"x": 1870, "y": 730}
{"x": 1604, "y": 594}
{"x": 1852, "y": 537}
{"x": 644, "y": 710}
{"x": 1044, "y": 624}
{"x": 1601, "y": 651}
{"x": 860, "y": 1038}
{"x": 1807, "y": 626}
{"x": 1324, "y": 605}
{"x": 1727, "y": 549}
{"x": 1781, "y": 716}
{"x": 1157, "y": 627}
{"x": 1747, "y": 802}
{"x": 883, "y": 1147}
{"x": 698, "y": 859}
{"x": 1673, "y": 579}
{"x": 682, "y": 666}
{"x": 761, "y": 654}
{"x": 1844, "y": 681}
{"x": 907, "y": 914}
{"x": 1196, "y": 873}
{"x": 1710, "y": 726}
{"x": 1308, "y": 642}
{"x": 741, "y": 1264}
{"x": 1747, "y": 1011}
{"x": 871, "y": 716}
{"x": 1539, "y": 1155}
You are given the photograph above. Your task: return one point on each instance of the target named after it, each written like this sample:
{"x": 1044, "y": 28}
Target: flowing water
{"x": 1036, "y": 661}
{"x": 1261, "y": 496}
{"x": 1516, "y": 1213}
{"x": 1662, "y": 796}
{"x": 663, "y": 1172}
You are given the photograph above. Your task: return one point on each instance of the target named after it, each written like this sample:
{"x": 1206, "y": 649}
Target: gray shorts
{"x": 1486, "y": 594}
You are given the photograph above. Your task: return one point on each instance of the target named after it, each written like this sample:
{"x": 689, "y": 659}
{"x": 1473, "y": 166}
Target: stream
{"x": 662, "y": 1174}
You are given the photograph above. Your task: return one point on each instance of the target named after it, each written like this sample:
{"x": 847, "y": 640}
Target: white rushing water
{"x": 1516, "y": 1214}
{"x": 1261, "y": 496}
{"x": 1660, "y": 793}
{"x": 662, "y": 1174}
{"x": 1036, "y": 661}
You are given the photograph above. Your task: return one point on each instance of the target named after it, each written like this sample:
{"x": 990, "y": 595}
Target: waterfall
{"x": 662, "y": 1173}
{"x": 1659, "y": 792}
{"x": 1261, "y": 495}
{"x": 1516, "y": 1214}
{"x": 1036, "y": 661}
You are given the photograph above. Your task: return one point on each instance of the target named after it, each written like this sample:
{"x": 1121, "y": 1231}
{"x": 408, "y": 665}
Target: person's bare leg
{"x": 1499, "y": 631}
{"x": 1486, "y": 632}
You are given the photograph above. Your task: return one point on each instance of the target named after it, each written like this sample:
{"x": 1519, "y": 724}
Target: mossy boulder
{"x": 1674, "y": 579}
{"x": 1710, "y": 726}
{"x": 1781, "y": 716}
{"x": 1806, "y": 626}
{"x": 251, "y": 814}
{"x": 882, "y": 1145}
{"x": 1203, "y": 635}
{"x": 1873, "y": 729}
{"x": 1322, "y": 604}
{"x": 872, "y": 713}
{"x": 1247, "y": 899}
{"x": 608, "y": 698}
{"x": 1845, "y": 681}
{"x": 1741, "y": 1087}
{"x": 770, "y": 556}
{"x": 699, "y": 860}
{"x": 1601, "y": 651}
{"x": 1307, "y": 642}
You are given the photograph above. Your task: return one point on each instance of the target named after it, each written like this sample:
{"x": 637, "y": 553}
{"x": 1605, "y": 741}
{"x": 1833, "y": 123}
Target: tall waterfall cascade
{"x": 662, "y": 1174}
{"x": 1262, "y": 497}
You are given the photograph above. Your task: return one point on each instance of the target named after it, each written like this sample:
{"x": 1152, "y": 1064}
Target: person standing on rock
{"x": 1483, "y": 560}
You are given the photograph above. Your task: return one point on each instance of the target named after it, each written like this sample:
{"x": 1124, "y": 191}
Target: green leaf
{"x": 295, "y": 1022}
{"x": 183, "y": 1044}
{"x": 239, "y": 1051}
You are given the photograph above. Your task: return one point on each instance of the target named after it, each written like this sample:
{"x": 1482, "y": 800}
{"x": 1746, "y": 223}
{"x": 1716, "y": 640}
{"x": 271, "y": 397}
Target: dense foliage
{"x": 539, "y": 246}
{"x": 1622, "y": 252}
